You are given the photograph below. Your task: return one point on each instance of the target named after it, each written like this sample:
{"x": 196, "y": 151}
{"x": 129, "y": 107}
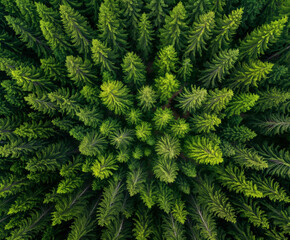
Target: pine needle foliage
{"x": 138, "y": 119}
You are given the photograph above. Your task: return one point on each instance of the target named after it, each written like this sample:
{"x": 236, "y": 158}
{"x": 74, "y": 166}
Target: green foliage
{"x": 115, "y": 96}
{"x": 239, "y": 134}
{"x": 166, "y": 86}
{"x": 241, "y": 103}
{"x": 250, "y": 75}
{"x": 205, "y": 123}
{"x": 258, "y": 41}
{"x": 175, "y": 27}
{"x": 226, "y": 28}
{"x": 147, "y": 98}
{"x": 191, "y": 100}
{"x": 166, "y": 60}
{"x": 218, "y": 67}
{"x": 104, "y": 166}
{"x": 145, "y": 36}
{"x": 93, "y": 144}
{"x": 144, "y": 119}
{"x": 77, "y": 27}
{"x": 80, "y": 71}
{"x": 134, "y": 69}
{"x": 203, "y": 150}
{"x": 199, "y": 34}
{"x": 235, "y": 180}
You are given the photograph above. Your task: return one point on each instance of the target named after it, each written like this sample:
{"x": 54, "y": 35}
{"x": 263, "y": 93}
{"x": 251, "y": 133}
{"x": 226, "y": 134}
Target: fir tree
{"x": 226, "y": 28}
{"x": 77, "y": 27}
{"x": 134, "y": 69}
{"x": 199, "y": 34}
{"x": 166, "y": 61}
{"x": 144, "y": 33}
{"x": 258, "y": 41}
{"x": 219, "y": 67}
{"x": 158, "y": 12}
{"x": 175, "y": 27}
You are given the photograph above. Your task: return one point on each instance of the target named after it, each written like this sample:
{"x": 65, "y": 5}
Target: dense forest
{"x": 144, "y": 119}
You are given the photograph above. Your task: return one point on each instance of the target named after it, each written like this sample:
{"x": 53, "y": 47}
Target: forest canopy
{"x": 144, "y": 119}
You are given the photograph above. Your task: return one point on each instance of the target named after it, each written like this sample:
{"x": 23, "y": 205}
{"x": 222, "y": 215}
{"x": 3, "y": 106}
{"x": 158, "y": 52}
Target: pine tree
{"x": 157, "y": 12}
{"x": 77, "y": 27}
{"x": 184, "y": 73}
{"x": 270, "y": 99}
{"x": 250, "y": 75}
{"x": 104, "y": 166}
{"x": 143, "y": 224}
{"x": 197, "y": 8}
{"x": 166, "y": 86}
{"x": 27, "y": 35}
{"x": 225, "y": 30}
{"x": 133, "y": 69}
{"x": 205, "y": 123}
{"x": 147, "y": 98}
{"x": 271, "y": 124}
{"x": 199, "y": 34}
{"x": 180, "y": 128}
{"x": 249, "y": 158}
{"x": 115, "y": 96}
{"x": 132, "y": 10}
{"x": 258, "y": 41}
{"x": 145, "y": 36}
{"x": 31, "y": 79}
{"x": 168, "y": 147}
{"x": 166, "y": 60}
{"x": 215, "y": 201}
{"x": 103, "y": 56}
{"x": 218, "y": 67}
{"x": 217, "y": 100}
{"x": 93, "y": 144}
{"x": 203, "y": 150}
{"x": 241, "y": 103}
{"x": 165, "y": 169}
{"x": 111, "y": 31}
{"x": 162, "y": 117}
{"x": 239, "y": 134}
{"x": 235, "y": 180}
{"x": 174, "y": 29}
{"x": 80, "y": 71}
{"x": 56, "y": 39}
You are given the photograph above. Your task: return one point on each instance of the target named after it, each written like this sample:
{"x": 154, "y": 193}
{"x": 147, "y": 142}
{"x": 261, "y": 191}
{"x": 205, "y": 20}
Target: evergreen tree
{"x": 197, "y": 8}
{"x": 133, "y": 69}
{"x": 205, "y": 123}
{"x": 175, "y": 27}
{"x": 225, "y": 30}
{"x": 258, "y": 41}
{"x": 145, "y": 36}
{"x": 80, "y": 71}
{"x": 184, "y": 73}
{"x": 132, "y": 10}
{"x": 103, "y": 56}
{"x": 115, "y": 96}
{"x": 250, "y": 75}
{"x": 166, "y": 61}
{"x": 166, "y": 86}
{"x": 147, "y": 97}
{"x": 157, "y": 12}
{"x": 111, "y": 31}
{"x": 203, "y": 150}
{"x": 27, "y": 35}
{"x": 241, "y": 103}
{"x": 199, "y": 34}
{"x": 77, "y": 27}
{"x": 216, "y": 100}
{"x": 219, "y": 67}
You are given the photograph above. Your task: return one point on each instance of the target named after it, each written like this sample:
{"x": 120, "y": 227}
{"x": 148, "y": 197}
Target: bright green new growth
{"x": 258, "y": 41}
{"x": 166, "y": 86}
{"x": 116, "y": 96}
{"x": 203, "y": 150}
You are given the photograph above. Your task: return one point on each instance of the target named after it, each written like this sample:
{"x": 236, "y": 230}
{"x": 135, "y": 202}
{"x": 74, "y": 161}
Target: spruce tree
{"x": 175, "y": 27}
